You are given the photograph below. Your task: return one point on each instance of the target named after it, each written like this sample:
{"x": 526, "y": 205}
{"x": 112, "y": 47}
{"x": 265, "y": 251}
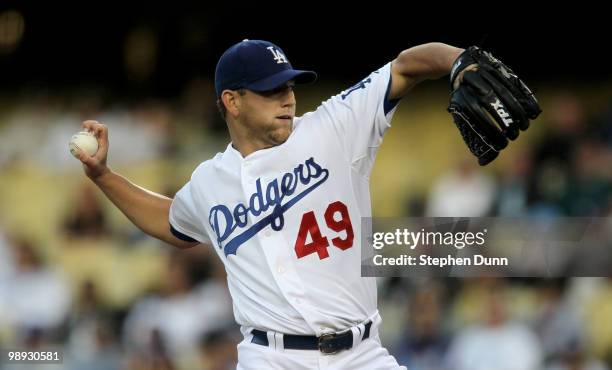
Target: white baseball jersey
{"x": 286, "y": 220}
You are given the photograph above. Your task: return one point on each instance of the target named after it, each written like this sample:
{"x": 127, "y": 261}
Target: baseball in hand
{"x": 84, "y": 140}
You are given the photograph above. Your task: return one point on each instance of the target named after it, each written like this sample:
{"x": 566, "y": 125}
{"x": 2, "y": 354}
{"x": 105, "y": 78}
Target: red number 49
{"x": 319, "y": 243}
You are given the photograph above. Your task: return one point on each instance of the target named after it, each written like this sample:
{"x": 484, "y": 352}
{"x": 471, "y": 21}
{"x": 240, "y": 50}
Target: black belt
{"x": 326, "y": 343}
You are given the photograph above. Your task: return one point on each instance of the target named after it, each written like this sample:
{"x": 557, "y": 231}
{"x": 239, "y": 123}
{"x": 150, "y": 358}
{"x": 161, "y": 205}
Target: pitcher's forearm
{"x": 146, "y": 209}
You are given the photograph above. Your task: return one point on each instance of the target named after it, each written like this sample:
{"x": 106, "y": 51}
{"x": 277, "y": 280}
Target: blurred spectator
{"x": 99, "y": 350}
{"x": 562, "y": 180}
{"x": 7, "y": 262}
{"x": 158, "y": 117}
{"x": 140, "y": 133}
{"x": 36, "y": 297}
{"x": 598, "y": 317}
{"x": 27, "y": 122}
{"x": 87, "y": 218}
{"x": 463, "y": 191}
{"x": 182, "y": 313}
{"x": 549, "y": 187}
{"x": 558, "y": 324}
{"x": 137, "y": 134}
{"x": 591, "y": 183}
{"x": 7, "y": 268}
{"x": 572, "y": 173}
{"x": 565, "y": 126}
{"x": 605, "y": 126}
{"x": 512, "y": 189}
{"x": 576, "y": 357}
{"x": 154, "y": 355}
{"x": 424, "y": 344}
{"x": 218, "y": 349}
{"x": 92, "y": 338}
{"x": 496, "y": 343}
{"x": 197, "y": 104}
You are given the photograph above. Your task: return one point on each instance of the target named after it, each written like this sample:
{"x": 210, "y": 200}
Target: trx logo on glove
{"x": 505, "y": 116}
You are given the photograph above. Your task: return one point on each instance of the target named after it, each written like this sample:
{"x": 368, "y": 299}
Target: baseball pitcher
{"x": 282, "y": 205}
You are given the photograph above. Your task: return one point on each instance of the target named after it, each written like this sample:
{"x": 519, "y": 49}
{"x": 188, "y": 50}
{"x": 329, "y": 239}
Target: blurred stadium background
{"x": 76, "y": 275}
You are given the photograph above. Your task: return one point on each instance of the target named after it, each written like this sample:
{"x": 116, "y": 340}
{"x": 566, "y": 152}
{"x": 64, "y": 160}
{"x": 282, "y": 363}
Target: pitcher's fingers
{"x": 90, "y": 125}
{"x": 84, "y": 157}
{"x": 102, "y": 135}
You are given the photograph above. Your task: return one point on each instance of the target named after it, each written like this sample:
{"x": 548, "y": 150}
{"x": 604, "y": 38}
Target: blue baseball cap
{"x": 256, "y": 65}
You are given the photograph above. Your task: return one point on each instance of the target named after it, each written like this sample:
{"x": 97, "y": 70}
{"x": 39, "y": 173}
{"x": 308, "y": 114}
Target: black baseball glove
{"x": 490, "y": 104}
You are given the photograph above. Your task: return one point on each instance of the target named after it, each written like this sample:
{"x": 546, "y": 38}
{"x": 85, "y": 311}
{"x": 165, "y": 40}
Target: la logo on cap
{"x": 278, "y": 56}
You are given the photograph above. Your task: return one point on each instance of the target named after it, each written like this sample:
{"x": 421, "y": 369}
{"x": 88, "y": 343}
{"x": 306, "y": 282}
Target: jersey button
{"x": 281, "y": 269}
{"x": 268, "y": 233}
